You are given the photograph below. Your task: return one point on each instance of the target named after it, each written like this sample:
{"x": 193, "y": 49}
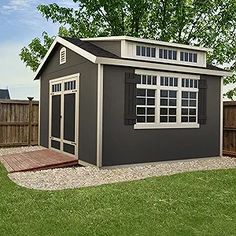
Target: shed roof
{"x": 98, "y": 55}
{"x": 4, "y": 94}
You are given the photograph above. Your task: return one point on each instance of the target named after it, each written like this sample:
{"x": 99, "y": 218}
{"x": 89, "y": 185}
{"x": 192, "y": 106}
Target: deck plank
{"x": 37, "y": 160}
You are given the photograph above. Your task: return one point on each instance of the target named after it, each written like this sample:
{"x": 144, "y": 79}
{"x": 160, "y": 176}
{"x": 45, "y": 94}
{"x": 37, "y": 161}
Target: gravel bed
{"x": 66, "y": 178}
{"x": 13, "y": 150}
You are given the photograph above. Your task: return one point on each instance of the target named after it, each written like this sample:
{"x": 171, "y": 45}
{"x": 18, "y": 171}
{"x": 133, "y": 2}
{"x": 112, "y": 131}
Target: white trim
{"x": 99, "y": 115}
{"x": 39, "y": 114}
{"x": 84, "y": 163}
{"x": 150, "y": 41}
{"x": 221, "y": 117}
{"x": 69, "y": 45}
{"x": 62, "y": 80}
{"x": 157, "y": 66}
{"x": 166, "y": 126}
{"x": 160, "y": 162}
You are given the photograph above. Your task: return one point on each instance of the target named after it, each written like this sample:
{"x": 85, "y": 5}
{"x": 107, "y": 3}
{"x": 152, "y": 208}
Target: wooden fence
{"x": 18, "y": 123}
{"x": 229, "y": 139}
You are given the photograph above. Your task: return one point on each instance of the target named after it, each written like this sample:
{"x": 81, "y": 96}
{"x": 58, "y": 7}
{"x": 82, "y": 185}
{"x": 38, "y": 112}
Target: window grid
{"x": 56, "y": 88}
{"x": 146, "y": 105}
{"x": 145, "y": 51}
{"x": 63, "y": 56}
{"x": 167, "y": 109}
{"x": 169, "y": 81}
{"x": 188, "y": 57}
{"x": 147, "y": 80}
{"x": 70, "y": 85}
{"x": 167, "y": 54}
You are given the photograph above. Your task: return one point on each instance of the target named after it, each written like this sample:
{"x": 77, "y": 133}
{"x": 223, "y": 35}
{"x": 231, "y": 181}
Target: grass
{"x": 199, "y": 203}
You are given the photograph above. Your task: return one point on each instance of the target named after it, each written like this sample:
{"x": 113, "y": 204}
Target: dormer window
{"x": 188, "y": 57}
{"x": 63, "y": 55}
{"x": 145, "y": 51}
{"x": 168, "y": 54}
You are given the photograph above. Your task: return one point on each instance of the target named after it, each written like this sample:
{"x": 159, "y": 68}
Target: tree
{"x": 196, "y": 22}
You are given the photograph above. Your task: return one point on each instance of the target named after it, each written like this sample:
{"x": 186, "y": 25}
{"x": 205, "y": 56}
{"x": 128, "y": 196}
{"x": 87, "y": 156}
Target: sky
{"x": 20, "y": 22}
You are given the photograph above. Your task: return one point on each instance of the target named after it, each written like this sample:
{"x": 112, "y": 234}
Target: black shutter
{"x": 202, "y": 102}
{"x": 131, "y": 81}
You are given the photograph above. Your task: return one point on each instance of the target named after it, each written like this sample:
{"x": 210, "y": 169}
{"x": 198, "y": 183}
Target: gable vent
{"x": 63, "y": 55}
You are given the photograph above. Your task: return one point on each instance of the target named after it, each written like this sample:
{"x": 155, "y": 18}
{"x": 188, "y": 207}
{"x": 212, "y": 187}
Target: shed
{"x": 114, "y": 101}
{"x": 4, "y": 94}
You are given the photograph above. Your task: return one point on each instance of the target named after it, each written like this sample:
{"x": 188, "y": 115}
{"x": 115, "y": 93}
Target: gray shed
{"x": 121, "y": 100}
{"x": 4, "y": 94}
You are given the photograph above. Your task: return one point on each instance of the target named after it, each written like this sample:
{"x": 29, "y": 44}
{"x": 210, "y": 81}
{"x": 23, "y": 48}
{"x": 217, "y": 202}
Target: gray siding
{"x": 87, "y": 100}
{"x": 124, "y": 145}
{"x": 110, "y": 46}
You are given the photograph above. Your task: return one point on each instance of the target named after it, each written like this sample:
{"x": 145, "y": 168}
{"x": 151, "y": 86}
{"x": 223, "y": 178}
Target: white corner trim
{"x": 99, "y": 115}
{"x": 69, "y": 45}
{"x": 150, "y": 41}
{"x": 221, "y": 117}
{"x": 84, "y": 163}
{"x": 158, "y": 66}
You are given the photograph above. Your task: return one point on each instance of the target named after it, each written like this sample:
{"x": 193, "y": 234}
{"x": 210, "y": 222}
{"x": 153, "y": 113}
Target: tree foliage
{"x": 196, "y": 22}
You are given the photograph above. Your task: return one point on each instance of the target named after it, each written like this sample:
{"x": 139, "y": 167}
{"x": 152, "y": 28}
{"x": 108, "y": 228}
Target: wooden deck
{"x": 37, "y": 160}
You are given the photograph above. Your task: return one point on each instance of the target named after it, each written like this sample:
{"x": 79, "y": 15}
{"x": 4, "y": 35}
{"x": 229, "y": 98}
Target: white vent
{"x": 63, "y": 56}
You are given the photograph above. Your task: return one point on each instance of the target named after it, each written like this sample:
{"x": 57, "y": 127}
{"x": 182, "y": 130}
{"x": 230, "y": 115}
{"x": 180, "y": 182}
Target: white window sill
{"x": 166, "y": 126}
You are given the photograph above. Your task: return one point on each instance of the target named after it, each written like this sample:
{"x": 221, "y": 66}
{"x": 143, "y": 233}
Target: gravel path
{"x": 8, "y": 151}
{"x": 91, "y": 176}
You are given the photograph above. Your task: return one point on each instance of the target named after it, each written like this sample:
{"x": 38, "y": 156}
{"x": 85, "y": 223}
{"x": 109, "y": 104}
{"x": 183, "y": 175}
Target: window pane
{"x": 141, "y": 101}
{"x": 149, "y": 79}
{"x": 171, "y": 81}
{"x": 164, "y": 102}
{"x": 163, "y": 119}
{"x": 163, "y": 111}
{"x": 141, "y": 92}
{"x": 184, "y": 103}
{"x": 154, "y": 80}
{"x": 192, "y": 119}
{"x": 195, "y": 84}
{"x": 162, "y": 80}
{"x": 184, "y": 119}
{"x": 141, "y": 119}
{"x": 166, "y": 81}
{"x": 148, "y": 52}
{"x": 141, "y": 110}
{"x": 170, "y": 54}
{"x": 172, "y": 94}
{"x": 138, "y": 50}
{"x": 165, "y": 53}
{"x": 151, "y": 119}
{"x": 174, "y": 55}
{"x": 160, "y": 53}
{"x": 172, "y": 111}
{"x": 187, "y": 83}
{"x": 164, "y": 93}
{"x": 151, "y": 101}
{"x": 184, "y": 111}
{"x": 139, "y": 79}
{"x": 190, "y": 57}
{"x": 144, "y": 80}
{"x": 184, "y": 94}
{"x": 143, "y": 51}
{"x": 192, "y": 111}
{"x": 193, "y": 95}
{"x": 192, "y": 103}
{"x": 153, "y": 52}
{"x": 181, "y": 56}
{"x": 175, "y": 82}
{"x": 172, "y": 119}
{"x": 191, "y": 83}
{"x": 151, "y": 93}
{"x": 151, "y": 111}
{"x": 183, "y": 82}
{"x": 195, "y": 57}
{"x": 172, "y": 102}
{"x": 186, "y": 56}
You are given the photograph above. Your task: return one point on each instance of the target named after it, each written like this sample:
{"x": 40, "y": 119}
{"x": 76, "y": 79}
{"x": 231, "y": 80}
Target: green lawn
{"x": 200, "y": 203}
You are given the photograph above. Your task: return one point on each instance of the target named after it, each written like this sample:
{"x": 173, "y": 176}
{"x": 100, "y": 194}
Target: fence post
{"x": 30, "y": 120}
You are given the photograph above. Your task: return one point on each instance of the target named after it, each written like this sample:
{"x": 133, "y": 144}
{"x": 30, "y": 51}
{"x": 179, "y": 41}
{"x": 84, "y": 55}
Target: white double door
{"x": 64, "y": 114}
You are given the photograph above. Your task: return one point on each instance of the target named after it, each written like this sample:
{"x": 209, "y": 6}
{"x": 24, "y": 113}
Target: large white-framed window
{"x": 166, "y": 100}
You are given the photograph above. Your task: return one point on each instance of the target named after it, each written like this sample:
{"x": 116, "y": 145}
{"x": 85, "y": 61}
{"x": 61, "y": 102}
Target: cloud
{"x": 16, "y": 5}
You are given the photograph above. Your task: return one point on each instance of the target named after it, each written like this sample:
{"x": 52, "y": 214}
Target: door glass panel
{"x": 69, "y": 117}
{"x": 56, "y": 116}
{"x": 69, "y": 148}
{"x": 55, "y": 144}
